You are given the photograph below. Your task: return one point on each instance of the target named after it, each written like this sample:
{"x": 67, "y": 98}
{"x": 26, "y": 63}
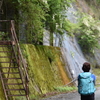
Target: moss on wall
{"x": 5, "y": 57}
{"x": 46, "y": 68}
{"x": 2, "y": 97}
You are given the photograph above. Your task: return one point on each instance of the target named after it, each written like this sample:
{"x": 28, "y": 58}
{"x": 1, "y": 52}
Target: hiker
{"x": 86, "y": 83}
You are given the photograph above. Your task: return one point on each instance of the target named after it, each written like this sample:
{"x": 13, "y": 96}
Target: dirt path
{"x": 67, "y": 96}
{"x": 72, "y": 96}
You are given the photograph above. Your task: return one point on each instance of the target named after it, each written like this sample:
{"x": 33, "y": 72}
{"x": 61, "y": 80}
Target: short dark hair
{"x": 86, "y": 67}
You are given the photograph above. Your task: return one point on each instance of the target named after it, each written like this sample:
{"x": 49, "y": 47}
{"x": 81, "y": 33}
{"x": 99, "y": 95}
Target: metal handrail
{"x": 15, "y": 40}
{"x": 17, "y": 51}
{"x": 19, "y": 56}
{"x": 71, "y": 82}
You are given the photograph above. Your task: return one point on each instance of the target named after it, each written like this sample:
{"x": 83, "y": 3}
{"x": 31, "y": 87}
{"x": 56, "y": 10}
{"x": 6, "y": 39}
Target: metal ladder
{"x": 13, "y": 71}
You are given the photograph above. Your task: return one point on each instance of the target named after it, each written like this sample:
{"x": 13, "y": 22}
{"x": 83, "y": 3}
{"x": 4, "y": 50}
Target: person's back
{"x": 86, "y": 83}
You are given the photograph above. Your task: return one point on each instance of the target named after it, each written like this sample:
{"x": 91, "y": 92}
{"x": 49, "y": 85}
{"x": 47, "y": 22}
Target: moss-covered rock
{"x": 45, "y": 67}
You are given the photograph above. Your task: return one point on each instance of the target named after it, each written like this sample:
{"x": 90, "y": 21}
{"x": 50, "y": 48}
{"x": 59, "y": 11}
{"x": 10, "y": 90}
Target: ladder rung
{"x": 5, "y": 51}
{"x": 5, "y": 45}
{"x": 9, "y": 67}
{"x": 7, "y": 62}
{"x": 14, "y": 89}
{"x": 14, "y": 83}
{"x": 11, "y": 73}
{"x": 11, "y": 78}
{"x": 16, "y": 95}
{"x": 4, "y": 57}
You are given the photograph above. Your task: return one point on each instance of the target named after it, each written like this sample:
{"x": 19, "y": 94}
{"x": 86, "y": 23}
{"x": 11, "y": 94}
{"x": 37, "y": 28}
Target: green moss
{"x": 44, "y": 68}
{"x": 2, "y": 97}
{"x": 65, "y": 89}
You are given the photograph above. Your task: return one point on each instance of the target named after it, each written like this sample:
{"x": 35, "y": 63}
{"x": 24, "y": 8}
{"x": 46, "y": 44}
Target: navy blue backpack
{"x": 85, "y": 84}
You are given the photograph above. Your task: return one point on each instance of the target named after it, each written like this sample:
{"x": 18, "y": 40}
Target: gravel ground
{"x": 67, "y": 96}
{"x": 72, "y": 96}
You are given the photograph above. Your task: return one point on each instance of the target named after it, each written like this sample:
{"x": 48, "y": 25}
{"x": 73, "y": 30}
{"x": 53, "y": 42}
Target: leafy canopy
{"x": 89, "y": 33}
{"x": 39, "y": 14}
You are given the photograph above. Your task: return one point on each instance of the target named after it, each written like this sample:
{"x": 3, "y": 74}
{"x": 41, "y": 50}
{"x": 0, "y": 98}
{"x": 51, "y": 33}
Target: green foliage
{"x": 89, "y": 33}
{"x": 98, "y": 1}
{"x": 4, "y": 36}
{"x": 32, "y": 15}
{"x": 2, "y": 95}
{"x": 39, "y": 14}
{"x": 65, "y": 89}
{"x": 69, "y": 27}
{"x": 56, "y": 16}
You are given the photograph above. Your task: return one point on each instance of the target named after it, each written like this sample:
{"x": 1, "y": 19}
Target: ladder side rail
{"x": 22, "y": 65}
{"x": 18, "y": 56}
{"x": 19, "y": 51}
{"x": 16, "y": 53}
{"x": 3, "y": 81}
{"x": 3, "y": 87}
